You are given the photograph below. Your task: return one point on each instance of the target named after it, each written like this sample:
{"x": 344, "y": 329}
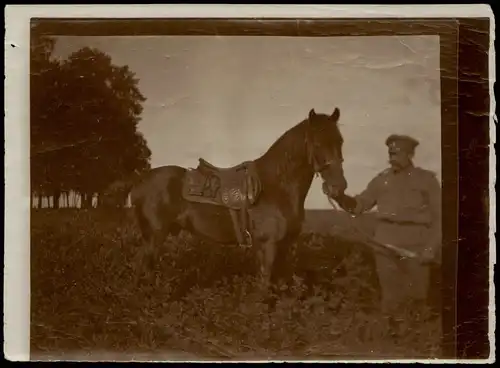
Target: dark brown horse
{"x": 285, "y": 173}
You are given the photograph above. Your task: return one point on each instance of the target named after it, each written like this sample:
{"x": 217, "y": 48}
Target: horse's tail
{"x": 117, "y": 193}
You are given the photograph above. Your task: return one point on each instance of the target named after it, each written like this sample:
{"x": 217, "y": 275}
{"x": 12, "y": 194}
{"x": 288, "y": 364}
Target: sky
{"x": 228, "y": 98}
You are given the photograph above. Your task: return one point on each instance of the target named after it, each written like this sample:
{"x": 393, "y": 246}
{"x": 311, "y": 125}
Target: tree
{"x": 85, "y": 113}
{"x": 103, "y": 110}
{"x": 44, "y": 74}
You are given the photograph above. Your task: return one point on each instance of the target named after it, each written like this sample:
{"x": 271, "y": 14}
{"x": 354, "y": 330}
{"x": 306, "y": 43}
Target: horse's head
{"x": 324, "y": 145}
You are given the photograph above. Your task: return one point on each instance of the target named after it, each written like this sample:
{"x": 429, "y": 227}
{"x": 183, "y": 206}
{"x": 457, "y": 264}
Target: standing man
{"x": 408, "y": 200}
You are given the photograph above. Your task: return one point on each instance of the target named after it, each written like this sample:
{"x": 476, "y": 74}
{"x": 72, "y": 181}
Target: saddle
{"x": 236, "y": 188}
{"x": 205, "y": 165}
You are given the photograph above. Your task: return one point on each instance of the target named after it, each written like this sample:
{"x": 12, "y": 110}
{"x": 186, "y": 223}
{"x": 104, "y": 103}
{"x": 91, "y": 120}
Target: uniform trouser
{"x": 401, "y": 279}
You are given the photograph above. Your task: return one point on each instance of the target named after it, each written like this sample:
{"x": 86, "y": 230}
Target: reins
{"x": 332, "y": 202}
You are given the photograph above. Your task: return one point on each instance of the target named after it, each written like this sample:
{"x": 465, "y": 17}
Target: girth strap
{"x": 240, "y": 223}
{"x": 240, "y": 226}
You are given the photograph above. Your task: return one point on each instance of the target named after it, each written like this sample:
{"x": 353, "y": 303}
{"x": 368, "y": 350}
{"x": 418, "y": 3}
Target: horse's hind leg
{"x": 143, "y": 224}
{"x": 152, "y": 232}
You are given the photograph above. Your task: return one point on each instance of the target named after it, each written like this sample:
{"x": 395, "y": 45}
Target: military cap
{"x": 402, "y": 142}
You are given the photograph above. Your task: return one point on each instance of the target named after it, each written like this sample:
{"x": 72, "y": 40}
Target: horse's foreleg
{"x": 267, "y": 255}
{"x": 281, "y": 266}
{"x": 267, "y": 258}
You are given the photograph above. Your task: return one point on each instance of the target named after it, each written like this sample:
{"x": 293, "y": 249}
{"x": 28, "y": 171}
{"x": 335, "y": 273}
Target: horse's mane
{"x": 287, "y": 150}
{"x": 292, "y": 137}
{"x": 288, "y": 154}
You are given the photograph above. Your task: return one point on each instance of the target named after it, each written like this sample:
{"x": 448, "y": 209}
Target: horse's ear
{"x": 312, "y": 114}
{"x": 335, "y": 115}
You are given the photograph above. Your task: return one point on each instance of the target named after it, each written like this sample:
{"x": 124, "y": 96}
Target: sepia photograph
{"x": 257, "y": 190}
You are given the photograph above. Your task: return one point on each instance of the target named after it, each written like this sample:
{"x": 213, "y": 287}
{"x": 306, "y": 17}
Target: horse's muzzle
{"x": 334, "y": 190}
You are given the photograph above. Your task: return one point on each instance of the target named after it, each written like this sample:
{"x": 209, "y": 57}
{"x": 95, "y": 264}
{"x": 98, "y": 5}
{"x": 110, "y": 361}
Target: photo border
{"x": 465, "y": 140}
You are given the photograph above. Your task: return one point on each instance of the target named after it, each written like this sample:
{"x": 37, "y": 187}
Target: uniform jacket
{"x": 411, "y": 196}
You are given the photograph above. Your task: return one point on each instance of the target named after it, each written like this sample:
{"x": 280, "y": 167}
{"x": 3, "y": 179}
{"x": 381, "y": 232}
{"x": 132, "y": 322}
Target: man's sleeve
{"x": 367, "y": 199}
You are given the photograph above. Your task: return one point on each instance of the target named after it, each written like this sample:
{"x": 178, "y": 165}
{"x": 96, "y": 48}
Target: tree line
{"x": 84, "y": 112}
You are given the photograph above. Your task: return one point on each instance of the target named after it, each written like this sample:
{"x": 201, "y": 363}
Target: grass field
{"x": 91, "y": 300}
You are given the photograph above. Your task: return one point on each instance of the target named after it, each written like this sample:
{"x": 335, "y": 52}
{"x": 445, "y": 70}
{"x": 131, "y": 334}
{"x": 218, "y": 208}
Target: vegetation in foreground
{"x": 90, "y": 295}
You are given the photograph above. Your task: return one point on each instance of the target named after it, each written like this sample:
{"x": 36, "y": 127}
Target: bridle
{"x": 312, "y": 159}
{"x": 317, "y": 167}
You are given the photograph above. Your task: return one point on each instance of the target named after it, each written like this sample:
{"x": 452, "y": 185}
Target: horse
{"x": 169, "y": 199}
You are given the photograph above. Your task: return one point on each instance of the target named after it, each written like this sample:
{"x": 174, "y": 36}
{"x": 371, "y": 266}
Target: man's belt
{"x": 403, "y": 222}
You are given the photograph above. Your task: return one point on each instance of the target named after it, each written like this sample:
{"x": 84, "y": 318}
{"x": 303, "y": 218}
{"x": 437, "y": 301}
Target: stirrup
{"x": 248, "y": 240}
